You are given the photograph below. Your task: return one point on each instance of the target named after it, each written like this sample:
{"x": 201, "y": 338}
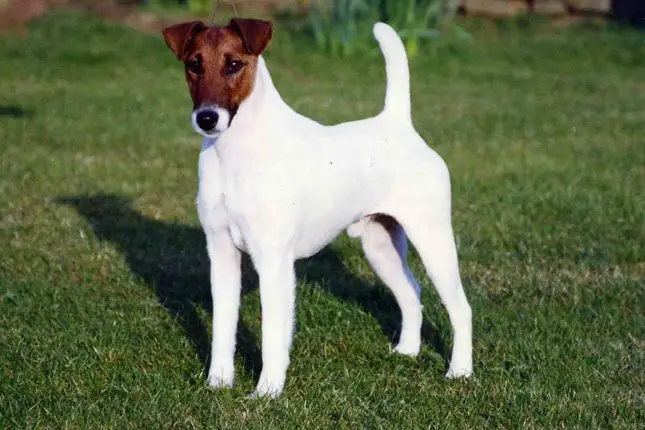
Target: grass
{"x": 104, "y": 303}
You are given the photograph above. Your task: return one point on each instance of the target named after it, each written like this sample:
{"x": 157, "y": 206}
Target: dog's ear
{"x": 178, "y": 37}
{"x": 256, "y": 34}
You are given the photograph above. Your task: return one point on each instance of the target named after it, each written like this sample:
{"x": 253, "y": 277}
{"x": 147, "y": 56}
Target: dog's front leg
{"x": 225, "y": 290}
{"x": 277, "y": 293}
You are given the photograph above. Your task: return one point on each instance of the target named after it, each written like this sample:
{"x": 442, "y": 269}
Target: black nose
{"x": 207, "y": 120}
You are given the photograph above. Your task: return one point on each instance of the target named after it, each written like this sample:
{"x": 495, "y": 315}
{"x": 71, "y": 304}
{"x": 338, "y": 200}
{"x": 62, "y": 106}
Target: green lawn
{"x": 104, "y": 296}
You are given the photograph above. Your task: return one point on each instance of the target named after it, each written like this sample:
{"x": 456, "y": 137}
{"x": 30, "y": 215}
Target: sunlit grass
{"x": 104, "y": 303}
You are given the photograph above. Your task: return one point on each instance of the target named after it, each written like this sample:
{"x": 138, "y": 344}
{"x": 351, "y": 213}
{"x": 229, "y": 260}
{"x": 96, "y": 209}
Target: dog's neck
{"x": 264, "y": 99}
{"x": 261, "y": 112}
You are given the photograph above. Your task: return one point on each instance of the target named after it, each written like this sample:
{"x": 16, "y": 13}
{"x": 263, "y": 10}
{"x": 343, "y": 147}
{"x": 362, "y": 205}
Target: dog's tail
{"x": 397, "y": 93}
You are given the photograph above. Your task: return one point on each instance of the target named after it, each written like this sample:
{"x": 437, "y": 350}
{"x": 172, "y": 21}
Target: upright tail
{"x": 397, "y": 93}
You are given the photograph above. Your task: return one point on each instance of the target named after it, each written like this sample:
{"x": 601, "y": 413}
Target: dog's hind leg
{"x": 386, "y": 248}
{"x": 430, "y": 231}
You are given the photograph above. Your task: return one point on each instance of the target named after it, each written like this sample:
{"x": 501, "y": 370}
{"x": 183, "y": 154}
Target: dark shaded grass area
{"x": 104, "y": 299}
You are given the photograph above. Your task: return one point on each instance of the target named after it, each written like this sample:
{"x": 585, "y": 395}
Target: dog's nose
{"x": 207, "y": 120}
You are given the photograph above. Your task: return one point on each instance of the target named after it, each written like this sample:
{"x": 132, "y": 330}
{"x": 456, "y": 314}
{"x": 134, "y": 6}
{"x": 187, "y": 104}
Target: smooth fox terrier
{"x": 281, "y": 186}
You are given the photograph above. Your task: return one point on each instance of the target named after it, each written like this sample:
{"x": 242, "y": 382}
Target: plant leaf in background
{"x": 200, "y": 6}
{"x": 344, "y": 26}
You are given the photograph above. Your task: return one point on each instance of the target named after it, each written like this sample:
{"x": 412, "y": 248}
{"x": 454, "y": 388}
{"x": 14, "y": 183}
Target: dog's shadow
{"x": 172, "y": 260}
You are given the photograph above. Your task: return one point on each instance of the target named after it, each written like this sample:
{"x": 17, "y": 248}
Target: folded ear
{"x": 255, "y": 33}
{"x": 178, "y": 36}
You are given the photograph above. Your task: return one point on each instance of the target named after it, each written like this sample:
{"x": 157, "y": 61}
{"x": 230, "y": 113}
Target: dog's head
{"x": 221, "y": 65}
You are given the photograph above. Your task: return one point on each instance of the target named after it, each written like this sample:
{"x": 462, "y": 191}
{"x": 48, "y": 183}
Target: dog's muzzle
{"x": 210, "y": 121}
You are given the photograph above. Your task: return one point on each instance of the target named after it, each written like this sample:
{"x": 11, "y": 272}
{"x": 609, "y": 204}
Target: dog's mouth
{"x": 211, "y": 121}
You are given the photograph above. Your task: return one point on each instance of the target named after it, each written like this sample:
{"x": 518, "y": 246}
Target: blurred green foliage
{"x": 344, "y": 26}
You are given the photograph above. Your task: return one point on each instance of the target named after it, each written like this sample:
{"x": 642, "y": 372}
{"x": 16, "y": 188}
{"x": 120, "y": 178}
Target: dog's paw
{"x": 262, "y": 394}
{"x": 221, "y": 376}
{"x": 268, "y": 387}
{"x": 218, "y": 382}
{"x": 459, "y": 372}
{"x": 408, "y": 348}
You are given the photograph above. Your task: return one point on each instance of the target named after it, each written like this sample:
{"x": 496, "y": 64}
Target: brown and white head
{"x": 221, "y": 64}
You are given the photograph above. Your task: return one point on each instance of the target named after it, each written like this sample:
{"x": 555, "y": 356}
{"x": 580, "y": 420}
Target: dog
{"x": 280, "y": 187}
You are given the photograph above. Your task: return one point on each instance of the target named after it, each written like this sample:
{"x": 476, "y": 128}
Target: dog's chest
{"x": 226, "y": 198}
{"x": 210, "y": 202}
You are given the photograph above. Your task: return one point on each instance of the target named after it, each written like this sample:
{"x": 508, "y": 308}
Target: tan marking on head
{"x": 221, "y": 62}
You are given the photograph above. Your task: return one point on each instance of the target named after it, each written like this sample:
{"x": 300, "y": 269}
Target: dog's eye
{"x": 233, "y": 66}
{"x": 194, "y": 65}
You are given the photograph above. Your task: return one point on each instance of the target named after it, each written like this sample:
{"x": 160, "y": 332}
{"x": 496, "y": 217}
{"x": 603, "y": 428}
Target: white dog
{"x": 280, "y": 186}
